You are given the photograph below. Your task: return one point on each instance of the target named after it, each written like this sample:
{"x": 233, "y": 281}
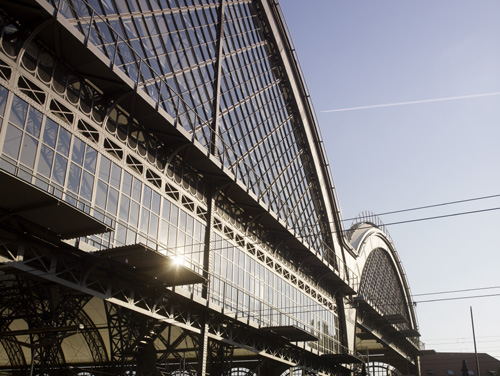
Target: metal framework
{"x": 165, "y": 202}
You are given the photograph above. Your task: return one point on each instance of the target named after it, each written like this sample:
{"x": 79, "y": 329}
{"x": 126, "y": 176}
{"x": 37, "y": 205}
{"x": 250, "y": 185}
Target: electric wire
{"x": 456, "y": 298}
{"x": 413, "y": 220}
{"x": 442, "y": 216}
{"x": 431, "y": 206}
{"x": 404, "y": 221}
{"x": 455, "y": 291}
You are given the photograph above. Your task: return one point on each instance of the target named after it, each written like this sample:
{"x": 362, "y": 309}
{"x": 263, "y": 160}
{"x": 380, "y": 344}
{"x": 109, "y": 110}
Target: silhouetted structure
{"x": 166, "y": 203}
{"x": 454, "y": 364}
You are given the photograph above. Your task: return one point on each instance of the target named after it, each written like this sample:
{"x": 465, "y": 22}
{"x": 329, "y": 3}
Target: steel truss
{"x": 139, "y": 317}
{"x": 152, "y": 329}
{"x": 52, "y": 314}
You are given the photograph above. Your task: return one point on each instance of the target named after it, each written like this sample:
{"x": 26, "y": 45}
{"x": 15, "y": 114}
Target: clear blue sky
{"x": 361, "y": 53}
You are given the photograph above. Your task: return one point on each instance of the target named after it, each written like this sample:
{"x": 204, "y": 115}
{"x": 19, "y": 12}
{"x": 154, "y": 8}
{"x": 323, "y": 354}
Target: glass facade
{"x": 380, "y": 284}
{"x": 245, "y": 278}
{"x": 184, "y": 127}
{"x": 62, "y": 134}
{"x": 169, "y": 49}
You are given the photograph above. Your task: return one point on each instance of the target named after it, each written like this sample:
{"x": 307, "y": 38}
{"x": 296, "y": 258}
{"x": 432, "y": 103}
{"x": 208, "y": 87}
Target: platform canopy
{"x": 147, "y": 261}
{"x": 291, "y": 333}
{"x": 24, "y": 200}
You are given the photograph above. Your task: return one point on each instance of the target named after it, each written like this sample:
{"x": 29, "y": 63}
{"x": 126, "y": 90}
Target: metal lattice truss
{"x": 386, "y": 322}
{"x": 204, "y": 104}
{"x": 136, "y": 318}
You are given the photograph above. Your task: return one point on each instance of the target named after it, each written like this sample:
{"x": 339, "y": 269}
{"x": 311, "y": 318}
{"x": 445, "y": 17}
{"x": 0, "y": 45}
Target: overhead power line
{"x": 431, "y": 206}
{"x": 414, "y": 209}
{"x": 413, "y": 220}
{"x": 455, "y": 291}
{"x": 456, "y": 298}
{"x": 442, "y": 216}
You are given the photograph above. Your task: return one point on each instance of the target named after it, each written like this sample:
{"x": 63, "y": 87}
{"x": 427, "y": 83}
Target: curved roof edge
{"x": 307, "y": 112}
{"x": 358, "y": 235}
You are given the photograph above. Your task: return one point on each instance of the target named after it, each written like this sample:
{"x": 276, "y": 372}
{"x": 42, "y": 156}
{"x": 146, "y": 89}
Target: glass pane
{"x": 174, "y": 213}
{"x": 121, "y": 234}
{"x": 146, "y": 198}
{"x": 12, "y": 141}
{"x": 134, "y": 213}
{"x": 104, "y": 169}
{"x": 156, "y": 203}
{"x": 112, "y": 201}
{"x": 124, "y": 207}
{"x": 63, "y": 141}
{"x": 90, "y": 159}
{"x": 163, "y": 232}
{"x": 78, "y": 150}
{"x": 18, "y": 111}
{"x": 166, "y": 210}
{"x": 172, "y": 237}
{"x": 74, "y": 178}
{"x": 28, "y": 153}
{"x": 3, "y": 98}
{"x": 136, "y": 190}
{"x": 34, "y": 123}
{"x": 87, "y": 186}
{"x": 144, "y": 220}
{"x": 102, "y": 192}
{"x": 115, "y": 176}
{"x": 59, "y": 170}
{"x": 50, "y": 133}
{"x": 45, "y": 161}
{"x": 153, "y": 227}
{"x": 127, "y": 183}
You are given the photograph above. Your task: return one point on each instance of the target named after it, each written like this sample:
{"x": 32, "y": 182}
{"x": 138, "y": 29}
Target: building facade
{"x": 452, "y": 364}
{"x": 166, "y": 202}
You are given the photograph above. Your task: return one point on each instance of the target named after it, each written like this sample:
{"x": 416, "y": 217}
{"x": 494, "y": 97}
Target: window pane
{"x": 90, "y": 159}
{"x": 74, "y": 178}
{"x": 172, "y": 237}
{"x": 18, "y": 111}
{"x": 12, "y": 141}
{"x": 127, "y": 183}
{"x": 34, "y": 123}
{"x": 28, "y": 153}
{"x": 136, "y": 190}
{"x": 134, "y": 213}
{"x": 104, "y": 169}
{"x": 45, "y": 161}
{"x": 3, "y": 99}
{"x": 115, "y": 176}
{"x": 144, "y": 220}
{"x": 182, "y": 220}
{"x": 63, "y": 141}
{"x": 124, "y": 208}
{"x": 78, "y": 150}
{"x": 146, "y": 198}
{"x": 189, "y": 225}
{"x": 59, "y": 170}
{"x": 163, "y": 232}
{"x": 155, "y": 207}
{"x": 87, "y": 186}
{"x": 174, "y": 213}
{"x": 50, "y": 133}
{"x": 121, "y": 233}
{"x": 102, "y": 192}
{"x": 153, "y": 226}
{"x": 166, "y": 210}
{"x": 112, "y": 201}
